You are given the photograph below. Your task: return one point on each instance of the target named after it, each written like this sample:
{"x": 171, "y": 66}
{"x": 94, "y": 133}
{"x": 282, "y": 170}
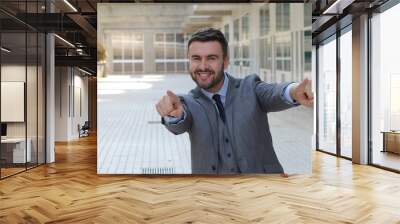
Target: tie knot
{"x": 217, "y": 97}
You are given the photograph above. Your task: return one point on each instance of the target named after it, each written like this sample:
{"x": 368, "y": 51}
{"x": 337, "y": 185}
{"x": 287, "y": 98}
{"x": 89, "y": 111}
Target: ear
{"x": 226, "y": 62}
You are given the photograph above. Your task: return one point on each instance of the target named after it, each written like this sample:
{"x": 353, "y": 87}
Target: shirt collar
{"x": 222, "y": 92}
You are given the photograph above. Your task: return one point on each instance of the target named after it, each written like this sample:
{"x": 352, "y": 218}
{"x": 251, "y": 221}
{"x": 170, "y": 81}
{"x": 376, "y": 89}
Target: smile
{"x": 204, "y": 74}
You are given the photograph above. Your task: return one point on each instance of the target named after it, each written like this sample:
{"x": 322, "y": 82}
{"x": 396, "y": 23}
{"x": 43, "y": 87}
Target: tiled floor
{"x": 132, "y": 140}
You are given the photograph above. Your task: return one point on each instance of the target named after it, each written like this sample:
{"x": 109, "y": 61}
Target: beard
{"x": 207, "y": 81}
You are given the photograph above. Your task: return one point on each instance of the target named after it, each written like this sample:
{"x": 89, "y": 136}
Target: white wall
{"x": 61, "y": 103}
{"x": 80, "y": 103}
{"x": 70, "y": 84}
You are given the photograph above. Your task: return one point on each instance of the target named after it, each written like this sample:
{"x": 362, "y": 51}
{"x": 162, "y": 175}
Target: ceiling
{"x": 328, "y": 16}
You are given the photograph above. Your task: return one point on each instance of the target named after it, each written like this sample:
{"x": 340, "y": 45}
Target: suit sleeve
{"x": 175, "y": 120}
{"x": 271, "y": 95}
{"x": 181, "y": 126}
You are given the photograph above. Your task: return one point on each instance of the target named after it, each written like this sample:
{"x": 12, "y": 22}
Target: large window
{"x": 346, "y": 93}
{"x": 235, "y": 45}
{"x": 327, "y": 96}
{"x": 283, "y": 56}
{"x": 246, "y": 54}
{"x": 245, "y": 27}
{"x": 307, "y": 50}
{"x": 236, "y": 30}
{"x": 245, "y": 43}
{"x": 282, "y": 16}
{"x": 385, "y": 87}
{"x": 265, "y": 53}
{"x": 170, "y": 52}
{"x": 241, "y": 45}
{"x": 226, "y": 32}
{"x": 307, "y": 14}
{"x": 127, "y": 50}
{"x": 333, "y": 137}
{"x": 264, "y": 20}
{"x": 266, "y": 59}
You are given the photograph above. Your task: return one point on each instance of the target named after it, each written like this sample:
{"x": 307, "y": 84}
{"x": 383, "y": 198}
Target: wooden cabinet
{"x": 391, "y": 141}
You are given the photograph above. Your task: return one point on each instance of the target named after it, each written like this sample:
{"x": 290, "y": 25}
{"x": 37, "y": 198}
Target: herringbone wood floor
{"x": 70, "y": 191}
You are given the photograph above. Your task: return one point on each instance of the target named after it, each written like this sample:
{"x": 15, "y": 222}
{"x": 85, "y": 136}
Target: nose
{"x": 203, "y": 65}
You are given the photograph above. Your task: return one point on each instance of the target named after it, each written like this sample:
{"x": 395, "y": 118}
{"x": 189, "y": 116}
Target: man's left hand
{"x": 302, "y": 93}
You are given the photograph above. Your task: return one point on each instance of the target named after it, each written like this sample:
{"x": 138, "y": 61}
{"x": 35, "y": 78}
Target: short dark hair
{"x": 210, "y": 34}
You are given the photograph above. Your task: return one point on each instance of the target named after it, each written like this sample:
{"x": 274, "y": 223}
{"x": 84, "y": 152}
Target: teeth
{"x": 204, "y": 73}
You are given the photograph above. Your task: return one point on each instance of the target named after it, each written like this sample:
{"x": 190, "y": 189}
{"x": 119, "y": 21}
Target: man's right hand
{"x": 170, "y": 105}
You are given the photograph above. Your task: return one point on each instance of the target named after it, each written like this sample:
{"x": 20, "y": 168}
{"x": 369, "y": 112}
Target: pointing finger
{"x": 303, "y": 84}
{"x": 172, "y": 96}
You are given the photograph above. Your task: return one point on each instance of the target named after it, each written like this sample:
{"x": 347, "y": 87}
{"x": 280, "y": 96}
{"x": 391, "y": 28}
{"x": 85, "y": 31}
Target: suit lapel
{"x": 230, "y": 97}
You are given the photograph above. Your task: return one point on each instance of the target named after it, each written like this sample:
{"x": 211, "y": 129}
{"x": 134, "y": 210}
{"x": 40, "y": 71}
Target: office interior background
{"x": 49, "y": 75}
{"x": 29, "y": 102}
{"x": 358, "y": 84}
{"x": 145, "y": 58}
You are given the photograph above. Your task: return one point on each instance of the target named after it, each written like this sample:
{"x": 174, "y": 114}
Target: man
{"x": 226, "y": 117}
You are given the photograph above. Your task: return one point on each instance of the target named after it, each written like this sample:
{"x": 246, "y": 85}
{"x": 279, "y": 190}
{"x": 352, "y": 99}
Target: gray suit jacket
{"x": 247, "y": 103}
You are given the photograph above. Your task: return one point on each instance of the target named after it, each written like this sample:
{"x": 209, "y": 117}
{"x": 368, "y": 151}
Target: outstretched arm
{"x": 281, "y": 96}
{"x": 173, "y": 114}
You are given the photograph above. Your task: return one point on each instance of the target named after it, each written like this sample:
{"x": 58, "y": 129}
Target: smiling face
{"x": 207, "y": 64}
